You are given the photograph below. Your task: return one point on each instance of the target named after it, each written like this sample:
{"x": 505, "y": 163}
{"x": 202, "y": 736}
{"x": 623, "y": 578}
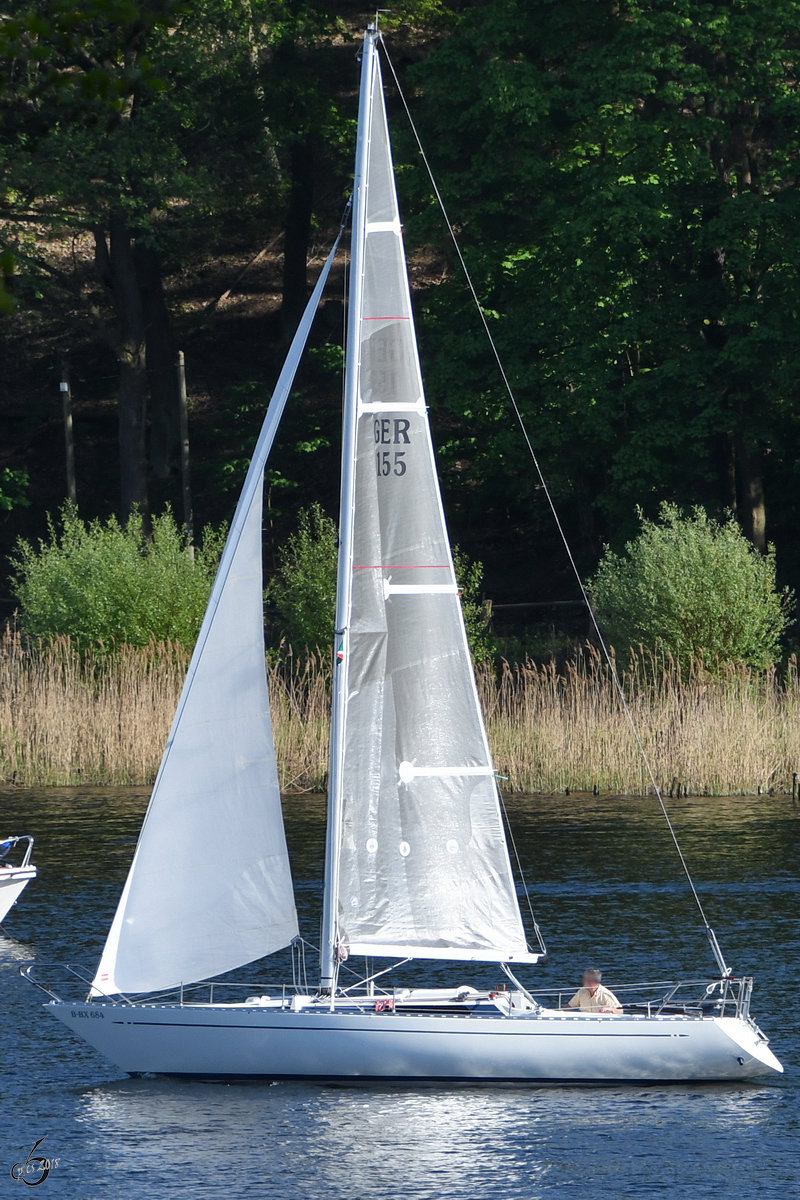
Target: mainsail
{"x": 210, "y": 887}
{"x": 417, "y": 852}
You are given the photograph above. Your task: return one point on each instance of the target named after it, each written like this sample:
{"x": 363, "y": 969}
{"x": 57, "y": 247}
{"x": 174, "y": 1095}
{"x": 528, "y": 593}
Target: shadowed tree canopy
{"x": 148, "y": 127}
{"x": 624, "y": 179}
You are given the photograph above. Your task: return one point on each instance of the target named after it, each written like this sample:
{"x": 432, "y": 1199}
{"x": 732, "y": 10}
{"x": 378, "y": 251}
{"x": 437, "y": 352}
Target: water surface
{"x": 607, "y": 889}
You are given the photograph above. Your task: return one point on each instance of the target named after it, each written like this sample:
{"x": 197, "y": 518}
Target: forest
{"x": 621, "y": 176}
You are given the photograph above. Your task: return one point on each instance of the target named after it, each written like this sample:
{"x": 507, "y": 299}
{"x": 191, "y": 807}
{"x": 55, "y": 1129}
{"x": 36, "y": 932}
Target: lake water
{"x": 607, "y": 890}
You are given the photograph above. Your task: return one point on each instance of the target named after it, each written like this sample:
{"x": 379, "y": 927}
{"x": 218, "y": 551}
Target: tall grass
{"x": 103, "y": 719}
{"x": 734, "y": 731}
{"x": 67, "y": 718}
{"x": 299, "y": 693}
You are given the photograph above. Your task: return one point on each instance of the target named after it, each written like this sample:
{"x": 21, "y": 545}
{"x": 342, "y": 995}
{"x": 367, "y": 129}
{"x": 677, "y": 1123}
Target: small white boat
{"x": 416, "y": 864}
{"x": 14, "y": 875}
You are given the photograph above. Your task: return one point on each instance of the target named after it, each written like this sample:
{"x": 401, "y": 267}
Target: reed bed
{"x": 300, "y": 697}
{"x": 68, "y": 718}
{"x": 733, "y": 731}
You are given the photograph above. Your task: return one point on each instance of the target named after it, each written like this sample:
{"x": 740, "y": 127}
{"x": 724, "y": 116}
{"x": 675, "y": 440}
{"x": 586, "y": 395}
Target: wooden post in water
{"x": 69, "y": 444}
{"x": 794, "y": 786}
{"x": 188, "y": 515}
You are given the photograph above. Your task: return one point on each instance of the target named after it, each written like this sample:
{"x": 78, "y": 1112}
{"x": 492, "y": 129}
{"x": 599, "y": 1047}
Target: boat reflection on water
{"x": 421, "y": 1142}
{"x": 13, "y": 951}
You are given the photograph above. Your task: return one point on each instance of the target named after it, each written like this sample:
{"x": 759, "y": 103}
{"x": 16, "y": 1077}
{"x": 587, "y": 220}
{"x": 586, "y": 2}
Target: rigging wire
{"x": 715, "y": 948}
{"x": 528, "y": 901}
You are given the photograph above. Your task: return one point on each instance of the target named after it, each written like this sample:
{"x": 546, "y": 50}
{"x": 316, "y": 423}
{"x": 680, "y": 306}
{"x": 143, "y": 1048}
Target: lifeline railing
{"x": 726, "y": 995}
{"x": 8, "y": 844}
{"x": 723, "y": 996}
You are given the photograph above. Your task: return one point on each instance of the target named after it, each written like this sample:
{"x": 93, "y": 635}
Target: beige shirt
{"x": 586, "y": 1002}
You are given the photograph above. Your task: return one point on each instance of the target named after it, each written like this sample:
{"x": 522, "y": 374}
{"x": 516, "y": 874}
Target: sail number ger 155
{"x": 391, "y": 431}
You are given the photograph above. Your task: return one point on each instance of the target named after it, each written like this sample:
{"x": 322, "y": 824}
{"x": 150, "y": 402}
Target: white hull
{"x": 13, "y": 880}
{"x": 549, "y": 1047}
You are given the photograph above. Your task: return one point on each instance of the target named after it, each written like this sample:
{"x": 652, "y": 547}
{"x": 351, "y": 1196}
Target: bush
{"x": 106, "y": 583}
{"x": 695, "y": 588}
{"x": 469, "y": 576}
{"x": 303, "y": 590}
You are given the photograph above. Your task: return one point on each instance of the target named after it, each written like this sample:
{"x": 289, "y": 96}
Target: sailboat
{"x": 416, "y": 863}
{"x": 14, "y": 876}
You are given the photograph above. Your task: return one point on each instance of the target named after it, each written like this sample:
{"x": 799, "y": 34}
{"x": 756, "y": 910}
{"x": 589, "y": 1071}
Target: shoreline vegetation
{"x": 102, "y": 719}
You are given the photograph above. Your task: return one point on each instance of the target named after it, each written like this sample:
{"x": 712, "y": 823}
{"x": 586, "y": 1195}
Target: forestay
{"x": 422, "y": 867}
{"x": 210, "y": 887}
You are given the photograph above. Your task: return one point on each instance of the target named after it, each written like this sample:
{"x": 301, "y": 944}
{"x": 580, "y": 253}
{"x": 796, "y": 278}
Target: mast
{"x": 328, "y": 948}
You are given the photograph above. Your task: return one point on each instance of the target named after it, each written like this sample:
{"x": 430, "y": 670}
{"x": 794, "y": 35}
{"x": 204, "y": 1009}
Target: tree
{"x": 695, "y": 588}
{"x": 68, "y": 136}
{"x": 13, "y": 488}
{"x": 624, "y": 180}
{"x": 135, "y": 125}
{"x": 6, "y": 276}
{"x": 303, "y": 588}
{"x": 469, "y": 576}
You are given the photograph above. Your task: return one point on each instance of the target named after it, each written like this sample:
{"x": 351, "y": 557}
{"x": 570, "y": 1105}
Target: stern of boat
{"x": 751, "y": 1046}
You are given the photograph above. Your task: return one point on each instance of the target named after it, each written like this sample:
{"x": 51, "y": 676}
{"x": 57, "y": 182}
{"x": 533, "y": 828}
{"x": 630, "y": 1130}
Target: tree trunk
{"x": 751, "y": 506}
{"x": 730, "y": 500}
{"x": 161, "y": 357}
{"x": 297, "y": 235}
{"x": 116, "y": 261}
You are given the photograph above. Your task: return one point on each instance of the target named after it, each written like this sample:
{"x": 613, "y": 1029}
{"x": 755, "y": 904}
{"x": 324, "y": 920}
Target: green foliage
{"x": 106, "y": 583}
{"x": 303, "y": 589}
{"x": 623, "y": 177}
{"x": 13, "y": 488}
{"x": 469, "y": 576}
{"x": 695, "y": 588}
{"x": 624, "y": 181}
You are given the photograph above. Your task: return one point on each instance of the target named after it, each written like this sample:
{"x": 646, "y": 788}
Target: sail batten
{"x": 443, "y": 952}
{"x": 418, "y": 864}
